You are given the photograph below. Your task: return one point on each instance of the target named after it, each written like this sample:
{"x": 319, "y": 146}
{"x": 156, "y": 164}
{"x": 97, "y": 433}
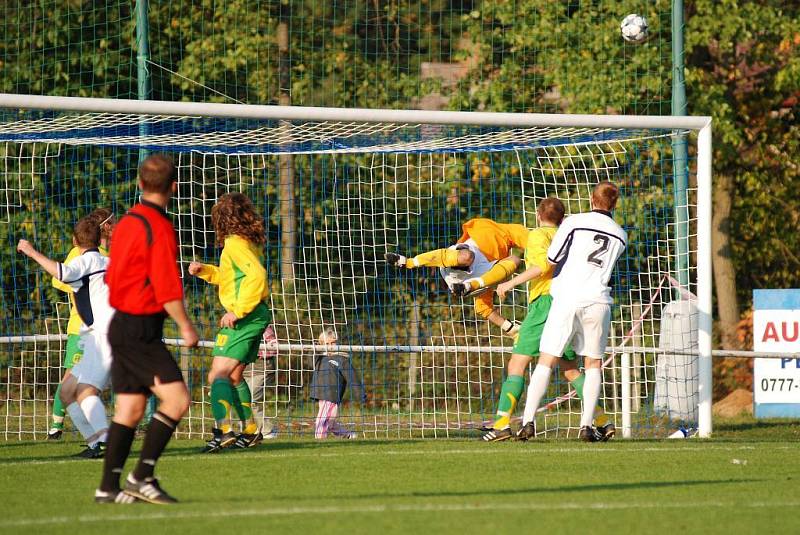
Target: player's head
{"x": 234, "y": 214}
{"x": 551, "y": 211}
{"x": 105, "y": 221}
{"x": 86, "y": 233}
{"x": 465, "y": 257}
{"x": 157, "y": 174}
{"x": 604, "y": 196}
{"x": 328, "y": 337}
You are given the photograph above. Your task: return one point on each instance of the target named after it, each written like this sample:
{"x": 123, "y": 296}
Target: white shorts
{"x": 94, "y": 368}
{"x": 585, "y": 327}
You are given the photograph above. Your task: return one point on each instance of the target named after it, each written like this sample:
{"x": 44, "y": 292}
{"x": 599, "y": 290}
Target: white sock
{"x": 540, "y": 379}
{"x": 79, "y": 420}
{"x": 95, "y": 413}
{"x": 591, "y": 394}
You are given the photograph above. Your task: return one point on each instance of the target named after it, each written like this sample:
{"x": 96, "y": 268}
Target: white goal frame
{"x": 699, "y": 124}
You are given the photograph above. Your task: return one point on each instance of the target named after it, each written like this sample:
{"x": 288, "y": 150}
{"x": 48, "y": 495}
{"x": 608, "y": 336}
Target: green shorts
{"x": 530, "y": 333}
{"x": 74, "y": 351}
{"x": 242, "y": 342}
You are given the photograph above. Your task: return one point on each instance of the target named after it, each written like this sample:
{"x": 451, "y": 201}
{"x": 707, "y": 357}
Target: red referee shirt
{"x": 141, "y": 277}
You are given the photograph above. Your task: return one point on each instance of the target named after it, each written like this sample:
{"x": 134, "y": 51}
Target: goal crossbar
{"x": 365, "y": 115}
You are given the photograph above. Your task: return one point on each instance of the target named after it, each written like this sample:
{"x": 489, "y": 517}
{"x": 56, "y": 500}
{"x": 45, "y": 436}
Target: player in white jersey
{"x": 85, "y": 275}
{"x": 584, "y": 251}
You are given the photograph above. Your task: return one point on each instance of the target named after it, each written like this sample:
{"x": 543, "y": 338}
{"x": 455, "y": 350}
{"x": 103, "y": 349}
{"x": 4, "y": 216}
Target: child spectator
{"x": 332, "y": 373}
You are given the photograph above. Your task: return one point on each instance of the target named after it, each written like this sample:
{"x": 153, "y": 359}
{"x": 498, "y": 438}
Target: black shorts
{"x": 139, "y": 354}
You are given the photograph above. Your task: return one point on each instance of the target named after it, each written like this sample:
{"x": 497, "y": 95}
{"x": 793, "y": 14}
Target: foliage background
{"x": 742, "y": 68}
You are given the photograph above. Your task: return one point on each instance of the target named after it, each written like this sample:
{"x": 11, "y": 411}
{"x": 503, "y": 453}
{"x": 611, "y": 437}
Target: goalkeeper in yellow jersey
{"x": 243, "y": 291}
{"x": 73, "y": 353}
{"x": 538, "y": 275}
{"x": 480, "y": 259}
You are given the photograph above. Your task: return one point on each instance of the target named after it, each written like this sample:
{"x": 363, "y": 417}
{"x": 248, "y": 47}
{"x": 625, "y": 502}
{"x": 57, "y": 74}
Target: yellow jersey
{"x": 75, "y": 322}
{"x": 241, "y": 276}
{"x": 536, "y": 255}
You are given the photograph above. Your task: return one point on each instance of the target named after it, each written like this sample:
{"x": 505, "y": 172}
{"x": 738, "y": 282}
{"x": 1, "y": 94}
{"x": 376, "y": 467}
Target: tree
{"x": 743, "y": 69}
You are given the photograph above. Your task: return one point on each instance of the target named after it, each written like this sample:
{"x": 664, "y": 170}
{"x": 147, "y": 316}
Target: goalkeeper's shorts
{"x": 243, "y": 340}
{"x": 530, "y": 332}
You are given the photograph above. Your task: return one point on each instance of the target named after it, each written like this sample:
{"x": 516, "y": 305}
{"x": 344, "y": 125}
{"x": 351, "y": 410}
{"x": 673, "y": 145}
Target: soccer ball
{"x": 634, "y": 28}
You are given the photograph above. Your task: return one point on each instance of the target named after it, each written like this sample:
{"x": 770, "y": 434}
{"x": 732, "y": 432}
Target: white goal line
{"x": 355, "y": 348}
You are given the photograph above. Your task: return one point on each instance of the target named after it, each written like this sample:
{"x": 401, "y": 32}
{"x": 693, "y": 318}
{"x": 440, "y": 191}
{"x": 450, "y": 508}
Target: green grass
{"x": 744, "y": 480}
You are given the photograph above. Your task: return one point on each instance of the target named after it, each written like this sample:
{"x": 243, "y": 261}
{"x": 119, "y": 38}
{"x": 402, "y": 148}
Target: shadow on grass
{"x": 533, "y": 491}
{"x": 548, "y": 490}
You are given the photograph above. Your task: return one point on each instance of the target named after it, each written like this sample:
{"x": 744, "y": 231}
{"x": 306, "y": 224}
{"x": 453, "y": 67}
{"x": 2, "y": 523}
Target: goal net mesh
{"x": 335, "y": 197}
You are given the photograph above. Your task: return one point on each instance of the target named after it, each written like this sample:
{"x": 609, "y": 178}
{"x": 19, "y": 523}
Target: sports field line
{"x": 174, "y": 513}
{"x": 489, "y": 450}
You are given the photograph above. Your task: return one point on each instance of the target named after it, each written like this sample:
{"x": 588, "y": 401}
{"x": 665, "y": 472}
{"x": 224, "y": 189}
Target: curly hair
{"x": 234, "y": 214}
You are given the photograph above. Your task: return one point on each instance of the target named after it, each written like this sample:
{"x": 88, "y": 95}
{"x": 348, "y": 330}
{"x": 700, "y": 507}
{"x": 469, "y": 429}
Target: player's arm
{"x": 251, "y": 288}
{"x": 485, "y": 309}
{"x": 560, "y": 244}
{"x": 50, "y": 266}
{"x": 177, "y": 311}
{"x": 57, "y": 284}
{"x": 529, "y": 274}
{"x": 207, "y": 272}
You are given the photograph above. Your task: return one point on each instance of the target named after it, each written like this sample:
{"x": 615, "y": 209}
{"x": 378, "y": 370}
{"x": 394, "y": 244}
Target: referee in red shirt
{"x": 144, "y": 286}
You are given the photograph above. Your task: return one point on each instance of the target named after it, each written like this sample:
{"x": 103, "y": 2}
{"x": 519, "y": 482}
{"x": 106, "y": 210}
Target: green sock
{"x": 242, "y": 402}
{"x": 600, "y": 418}
{"x": 58, "y": 410}
{"x": 221, "y": 403}
{"x": 577, "y": 384}
{"x": 509, "y": 396}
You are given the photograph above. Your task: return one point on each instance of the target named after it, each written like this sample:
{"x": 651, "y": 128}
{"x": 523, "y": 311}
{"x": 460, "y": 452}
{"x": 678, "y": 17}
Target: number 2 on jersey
{"x": 594, "y": 257}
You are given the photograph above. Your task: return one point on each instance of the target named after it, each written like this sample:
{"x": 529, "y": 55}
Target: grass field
{"x": 745, "y": 480}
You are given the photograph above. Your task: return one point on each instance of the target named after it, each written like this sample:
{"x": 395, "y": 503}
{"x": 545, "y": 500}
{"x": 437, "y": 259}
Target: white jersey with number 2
{"x": 585, "y": 250}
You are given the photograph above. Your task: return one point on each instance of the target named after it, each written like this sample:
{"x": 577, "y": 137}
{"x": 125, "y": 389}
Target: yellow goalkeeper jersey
{"x": 495, "y": 240}
{"x": 536, "y": 255}
{"x": 75, "y": 322}
{"x": 241, "y": 276}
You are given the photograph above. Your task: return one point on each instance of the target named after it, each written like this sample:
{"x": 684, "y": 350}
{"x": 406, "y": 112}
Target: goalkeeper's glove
{"x": 395, "y": 260}
{"x": 511, "y": 328}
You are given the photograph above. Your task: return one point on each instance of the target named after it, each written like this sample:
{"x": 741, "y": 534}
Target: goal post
{"x": 367, "y": 182}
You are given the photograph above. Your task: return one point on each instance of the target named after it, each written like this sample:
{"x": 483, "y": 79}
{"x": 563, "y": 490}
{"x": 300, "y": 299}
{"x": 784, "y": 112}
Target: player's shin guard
{"x": 120, "y": 438}
{"x": 242, "y": 402}
{"x": 156, "y": 439}
{"x": 79, "y": 420}
{"x": 591, "y": 394}
{"x": 58, "y": 410}
{"x": 540, "y": 379}
{"x": 221, "y": 403}
{"x": 497, "y": 274}
{"x": 437, "y": 258}
{"x": 95, "y": 413}
{"x": 509, "y": 395}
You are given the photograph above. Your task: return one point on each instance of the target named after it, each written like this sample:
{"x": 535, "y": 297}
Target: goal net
{"x": 338, "y": 189}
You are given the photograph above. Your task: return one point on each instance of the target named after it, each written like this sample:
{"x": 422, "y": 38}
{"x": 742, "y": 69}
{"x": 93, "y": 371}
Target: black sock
{"x": 118, "y": 446}
{"x": 156, "y": 439}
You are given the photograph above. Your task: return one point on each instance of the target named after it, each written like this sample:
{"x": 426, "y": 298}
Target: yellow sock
{"x": 250, "y": 429}
{"x": 225, "y": 428}
{"x": 497, "y": 274}
{"x": 600, "y": 418}
{"x": 437, "y": 258}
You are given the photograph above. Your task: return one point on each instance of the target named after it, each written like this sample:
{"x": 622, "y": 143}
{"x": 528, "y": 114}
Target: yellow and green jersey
{"x": 74, "y": 323}
{"x": 241, "y": 276}
{"x": 536, "y": 255}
